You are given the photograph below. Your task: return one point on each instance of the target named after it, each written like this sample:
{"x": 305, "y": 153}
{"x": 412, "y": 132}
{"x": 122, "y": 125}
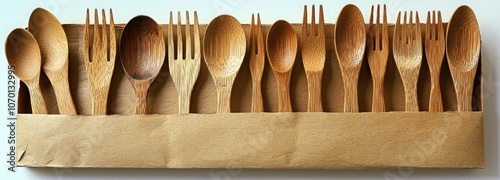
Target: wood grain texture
{"x": 281, "y": 44}
{"x": 463, "y": 46}
{"x": 100, "y": 57}
{"x": 257, "y": 59}
{"x": 407, "y": 51}
{"x": 184, "y": 65}
{"x": 434, "y": 51}
{"x": 224, "y": 50}
{"x": 53, "y": 44}
{"x": 350, "y": 40}
{"x": 23, "y": 54}
{"x": 142, "y": 50}
{"x": 377, "y": 49}
{"x": 313, "y": 50}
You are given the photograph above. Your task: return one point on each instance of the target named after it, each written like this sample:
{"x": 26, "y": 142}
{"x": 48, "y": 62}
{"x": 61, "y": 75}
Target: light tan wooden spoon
{"x": 350, "y": 38}
{"x": 142, "y": 50}
{"x": 53, "y": 43}
{"x": 281, "y": 44}
{"x": 23, "y": 54}
{"x": 463, "y": 45}
{"x": 224, "y": 50}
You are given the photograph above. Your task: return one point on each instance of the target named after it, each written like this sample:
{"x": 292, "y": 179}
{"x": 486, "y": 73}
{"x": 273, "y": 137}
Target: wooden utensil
{"x": 313, "y": 57}
{"x": 257, "y": 62}
{"x": 281, "y": 47}
{"x": 434, "y": 51}
{"x": 378, "y": 53}
{"x": 142, "y": 51}
{"x": 350, "y": 38}
{"x": 184, "y": 67}
{"x": 463, "y": 46}
{"x": 23, "y": 54}
{"x": 53, "y": 44}
{"x": 224, "y": 50}
{"x": 100, "y": 66}
{"x": 407, "y": 51}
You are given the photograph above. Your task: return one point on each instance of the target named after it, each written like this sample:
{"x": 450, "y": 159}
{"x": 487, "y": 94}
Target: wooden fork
{"x": 257, "y": 62}
{"x": 100, "y": 66}
{"x": 378, "y": 52}
{"x": 313, "y": 57}
{"x": 184, "y": 68}
{"x": 434, "y": 51}
{"x": 407, "y": 51}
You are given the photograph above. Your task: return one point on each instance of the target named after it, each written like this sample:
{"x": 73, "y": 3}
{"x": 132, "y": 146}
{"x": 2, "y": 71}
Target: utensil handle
{"x": 464, "y": 95}
{"x": 141, "y": 104}
{"x": 224, "y": 98}
{"x": 284, "y": 102}
{"x": 351, "y": 94}
{"x": 38, "y": 105}
{"x": 99, "y": 101}
{"x": 314, "y": 80}
{"x": 63, "y": 96}
{"x": 257, "y": 103}
{"x": 411, "y": 97}
{"x": 435, "y": 102}
{"x": 378, "y": 104}
{"x": 184, "y": 99}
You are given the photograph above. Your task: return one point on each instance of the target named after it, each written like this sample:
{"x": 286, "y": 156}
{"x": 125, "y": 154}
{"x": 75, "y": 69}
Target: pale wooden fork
{"x": 99, "y": 60}
{"x": 407, "y": 51}
{"x": 434, "y": 51}
{"x": 313, "y": 57}
{"x": 184, "y": 68}
{"x": 377, "y": 53}
{"x": 257, "y": 62}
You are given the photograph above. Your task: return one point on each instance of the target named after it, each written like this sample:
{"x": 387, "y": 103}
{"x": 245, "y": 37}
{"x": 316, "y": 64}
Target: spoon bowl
{"x": 281, "y": 44}
{"x": 349, "y": 42}
{"x": 142, "y": 50}
{"x": 463, "y": 45}
{"x": 224, "y": 50}
{"x": 53, "y": 44}
{"x": 23, "y": 54}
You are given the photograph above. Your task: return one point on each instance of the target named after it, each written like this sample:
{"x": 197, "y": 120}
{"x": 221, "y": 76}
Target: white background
{"x": 15, "y": 14}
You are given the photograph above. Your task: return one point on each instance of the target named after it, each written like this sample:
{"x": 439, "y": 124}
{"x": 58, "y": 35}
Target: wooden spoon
{"x": 281, "y": 44}
{"x": 53, "y": 43}
{"x": 23, "y": 54}
{"x": 224, "y": 50}
{"x": 350, "y": 38}
{"x": 142, "y": 50}
{"x": 463, "y": 45}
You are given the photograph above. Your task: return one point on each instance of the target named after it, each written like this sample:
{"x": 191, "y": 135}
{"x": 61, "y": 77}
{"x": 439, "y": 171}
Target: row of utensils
{"x": 142, "y": 50}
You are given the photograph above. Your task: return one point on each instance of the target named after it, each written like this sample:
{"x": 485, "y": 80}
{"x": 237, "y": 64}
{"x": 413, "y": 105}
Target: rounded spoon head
{"x": 350, "y": 36}
{"x": 23, "y": 53}
{"x": 224, "y": 46}
{"x": 281, "y": 44}
{"x": 463, "y": 42}
{"x": 51, "y": 39}
{"x": 142, "y": 48}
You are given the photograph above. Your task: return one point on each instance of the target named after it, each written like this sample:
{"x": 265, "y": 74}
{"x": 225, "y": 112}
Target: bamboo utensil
{"x": 100, "y": 66}
{"x": 185, "y": 65}
{"x": 281, "y": 47}
{"x": 224, "y": 50}
{"x": 350, "y": 38}
{"x": 23, "y": 54}
{"x": 378, "y": 53}
{"x": 434, "y": 51}
{"x": 257, "y": 62}
{"x": 463, "y": 46}
{"x": 53, "y": 44}
{"x": 407, "y": 51}
{"x": 142, "y": 51}
{"x": 313, "y": 57}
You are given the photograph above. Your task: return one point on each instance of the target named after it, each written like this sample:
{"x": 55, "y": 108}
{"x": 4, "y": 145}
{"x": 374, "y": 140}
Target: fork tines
{"x": 378, "y": 40}
{"x": 102, "y": 47}
{"x": 188, "y": 47}
{"x": 408, "y": 31}
{"x": 313, "y": 29}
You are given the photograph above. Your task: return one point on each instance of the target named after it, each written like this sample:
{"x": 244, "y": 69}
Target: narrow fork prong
{"x": 260, "y": 36}
{"x": 440, "y": 29}
{"x": 377, "y": 31}
{"x": 313, "y": 22}
{"x": 253, "y": 45}
{"x": 197, "y": 50}
{"x": 370, "y": 27}
{"x": 104, "y": 36}
{"x": 428, "y": 32}
{"x": 179, "y": 37}
{"x": 398, "y": 27}
{"x": 112, "y": 38}
{"x": 403, "y": 29}
{"x": 304, "y": 22}
{"x": 97, "y": 37}
{"x": 321, "y": 26}
{"x": 86, "y": 40}
{"x": 188, "y": 37}
{"x": 385, "y": 33}
{"x": 416, "y": 29}
{"x": 170, "y": 36}
{"x": 434, "y": 25}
